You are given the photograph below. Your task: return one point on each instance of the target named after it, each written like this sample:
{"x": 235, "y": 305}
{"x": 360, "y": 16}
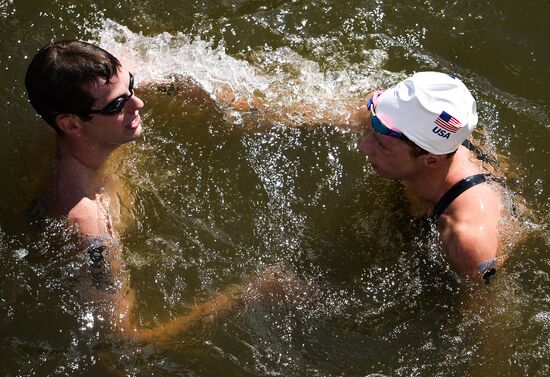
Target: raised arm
{"x": 267, "y": 107}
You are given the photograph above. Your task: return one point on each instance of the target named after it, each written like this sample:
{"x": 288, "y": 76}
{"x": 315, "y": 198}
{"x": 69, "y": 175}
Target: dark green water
{"x": 220, "y": 197}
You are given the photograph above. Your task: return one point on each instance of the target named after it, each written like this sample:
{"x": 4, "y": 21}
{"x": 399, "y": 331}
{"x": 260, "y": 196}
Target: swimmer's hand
{"x": 225, "y": 95}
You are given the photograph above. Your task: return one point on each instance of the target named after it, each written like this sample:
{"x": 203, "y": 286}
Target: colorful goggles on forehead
{"x": 376, "y": 123}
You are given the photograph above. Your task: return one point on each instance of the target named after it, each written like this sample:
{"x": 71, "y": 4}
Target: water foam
{"x": 279, "y": 78}
{"x": 163, "y": 56}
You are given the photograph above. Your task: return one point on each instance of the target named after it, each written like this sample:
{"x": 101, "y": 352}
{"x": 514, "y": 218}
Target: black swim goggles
{"x": 117, "y": 105}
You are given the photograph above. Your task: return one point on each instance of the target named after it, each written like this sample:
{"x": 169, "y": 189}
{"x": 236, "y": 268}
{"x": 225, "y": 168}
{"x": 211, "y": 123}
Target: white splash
{"x": 163, "y": 56}
{"x": 298, "y": 88}
{"x": 21, "y": 253}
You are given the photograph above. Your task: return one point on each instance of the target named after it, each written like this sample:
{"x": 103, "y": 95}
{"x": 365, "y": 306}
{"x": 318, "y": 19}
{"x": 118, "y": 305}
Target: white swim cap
{"x": 434, "y": 110}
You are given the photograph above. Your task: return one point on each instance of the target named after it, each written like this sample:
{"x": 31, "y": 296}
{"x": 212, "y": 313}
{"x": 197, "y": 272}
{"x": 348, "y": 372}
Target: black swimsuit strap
{"x": 457, "y": 189}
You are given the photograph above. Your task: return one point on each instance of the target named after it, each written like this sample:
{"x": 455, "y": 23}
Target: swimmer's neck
{"x": 76, "y": 177}
{"x": 88, "y": 155}
{"x": 79, "y": 173}
{"x": 431, "y": 184}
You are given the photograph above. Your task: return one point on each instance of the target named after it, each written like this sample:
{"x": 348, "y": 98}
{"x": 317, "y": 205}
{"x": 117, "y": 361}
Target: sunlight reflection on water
{"x": 221, "y": 197}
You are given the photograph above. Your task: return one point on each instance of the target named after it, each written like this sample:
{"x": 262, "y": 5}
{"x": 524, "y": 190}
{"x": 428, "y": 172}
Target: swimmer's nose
{"x": 137, "y": 103}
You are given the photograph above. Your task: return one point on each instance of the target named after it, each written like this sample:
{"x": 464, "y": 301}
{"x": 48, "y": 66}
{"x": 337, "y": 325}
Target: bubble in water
{"x": 543, "y": 318}
{"x": 87, "y": 321}
{"x": 21, "y": 253}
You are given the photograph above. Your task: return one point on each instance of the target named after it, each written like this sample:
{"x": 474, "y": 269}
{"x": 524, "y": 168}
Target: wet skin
{"x": 469, "y": 227}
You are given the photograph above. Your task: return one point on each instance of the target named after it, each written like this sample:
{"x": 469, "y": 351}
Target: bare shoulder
{"x": 469, "y": 229}
{"x": 479, "y": 204}
{"x": 88, "y": 215}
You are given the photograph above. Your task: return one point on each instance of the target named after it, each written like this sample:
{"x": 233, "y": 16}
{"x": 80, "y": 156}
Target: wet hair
{"x": 59, "y": 73}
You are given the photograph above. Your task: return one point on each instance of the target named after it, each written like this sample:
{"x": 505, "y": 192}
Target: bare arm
{"x": 469, "y": 252}
{"x": 469, "y": 232}
{"x": 91, "y": 219}
{"x": 210, "y": 309}
{"x": 267, "y": 107}
{"x": 111, "y": 283}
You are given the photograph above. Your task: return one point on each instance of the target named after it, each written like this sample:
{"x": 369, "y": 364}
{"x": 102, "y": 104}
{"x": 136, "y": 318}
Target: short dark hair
{"x": 58, "y": 74}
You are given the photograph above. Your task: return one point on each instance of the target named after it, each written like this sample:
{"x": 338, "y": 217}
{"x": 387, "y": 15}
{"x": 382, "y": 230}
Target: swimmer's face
{"x": 390, "y": 156}
{"x": 116, "y": 106}
{"x": 115, "y": 118}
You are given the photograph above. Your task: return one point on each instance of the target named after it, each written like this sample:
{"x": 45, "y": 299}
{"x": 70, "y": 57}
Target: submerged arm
{"x": 109, "y": 281}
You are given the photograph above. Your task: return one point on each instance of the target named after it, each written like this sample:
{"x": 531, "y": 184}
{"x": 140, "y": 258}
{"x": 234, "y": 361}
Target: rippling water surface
{"x": 218, "y": 197}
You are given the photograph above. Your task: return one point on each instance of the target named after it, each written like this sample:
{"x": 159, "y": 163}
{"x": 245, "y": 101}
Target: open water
{"x": 221, "y": 196}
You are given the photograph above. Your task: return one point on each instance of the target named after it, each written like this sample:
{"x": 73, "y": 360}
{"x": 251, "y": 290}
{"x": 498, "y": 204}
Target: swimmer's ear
{"x": 433, "y": 161}
{"x": 68, "y": 123}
